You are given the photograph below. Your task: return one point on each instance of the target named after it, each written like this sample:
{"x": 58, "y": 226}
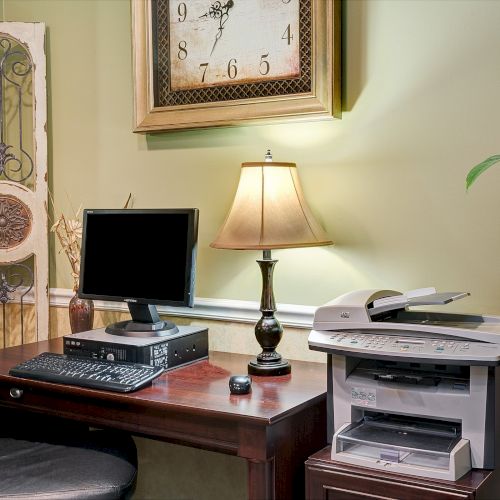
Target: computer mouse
{"x": 240, "y": 384}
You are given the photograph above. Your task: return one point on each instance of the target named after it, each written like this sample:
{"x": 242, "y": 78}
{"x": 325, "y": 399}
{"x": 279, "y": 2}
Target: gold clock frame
{"x": 322, "y": 102}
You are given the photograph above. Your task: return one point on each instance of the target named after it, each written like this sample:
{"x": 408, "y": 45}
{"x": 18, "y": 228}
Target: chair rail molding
{"x": 240, "y": 311}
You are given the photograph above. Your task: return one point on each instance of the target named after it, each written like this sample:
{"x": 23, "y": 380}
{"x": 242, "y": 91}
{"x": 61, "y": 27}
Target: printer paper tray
{"x": 407, "y": 452}
{"x": 407, "y": 459}
{"x": 399, "y": 438}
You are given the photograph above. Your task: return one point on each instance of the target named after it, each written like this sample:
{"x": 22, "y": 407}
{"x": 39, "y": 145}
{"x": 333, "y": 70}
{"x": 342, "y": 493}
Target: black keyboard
{"x": 117, "y": 376}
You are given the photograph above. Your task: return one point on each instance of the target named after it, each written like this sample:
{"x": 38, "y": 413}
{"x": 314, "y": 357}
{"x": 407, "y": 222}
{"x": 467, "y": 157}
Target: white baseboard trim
{"x": 240, "y": 311}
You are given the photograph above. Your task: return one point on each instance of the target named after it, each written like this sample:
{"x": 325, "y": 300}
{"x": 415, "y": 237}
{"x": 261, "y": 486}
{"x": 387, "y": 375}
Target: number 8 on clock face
{"x": 223, "y": 42}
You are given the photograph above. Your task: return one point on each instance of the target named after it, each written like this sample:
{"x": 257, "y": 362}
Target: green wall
{"x": 387, "y": 181}
{"x": 421, "y": 107}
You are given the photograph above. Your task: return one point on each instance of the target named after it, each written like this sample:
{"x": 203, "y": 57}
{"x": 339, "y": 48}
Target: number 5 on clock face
{"x": 221, "y": 42}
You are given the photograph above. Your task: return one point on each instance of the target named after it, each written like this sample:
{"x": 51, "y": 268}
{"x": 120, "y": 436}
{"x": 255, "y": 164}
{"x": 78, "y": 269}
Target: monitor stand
{"x": 145, "y": 322}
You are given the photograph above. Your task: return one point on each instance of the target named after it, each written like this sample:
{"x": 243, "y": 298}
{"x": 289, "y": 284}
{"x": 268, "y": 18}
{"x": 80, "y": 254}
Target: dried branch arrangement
{"x": 69, "y": 233}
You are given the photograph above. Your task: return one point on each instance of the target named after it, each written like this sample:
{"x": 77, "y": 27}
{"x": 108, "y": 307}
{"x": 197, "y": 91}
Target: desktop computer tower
{"x": 190, "y": 344}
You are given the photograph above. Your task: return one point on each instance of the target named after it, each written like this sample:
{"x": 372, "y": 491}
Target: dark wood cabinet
{"x": 328, "y": 480}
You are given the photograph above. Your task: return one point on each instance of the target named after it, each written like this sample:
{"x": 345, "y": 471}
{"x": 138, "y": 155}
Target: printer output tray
{"x": 423, "y": 449}
{"x": 388, "y": 434}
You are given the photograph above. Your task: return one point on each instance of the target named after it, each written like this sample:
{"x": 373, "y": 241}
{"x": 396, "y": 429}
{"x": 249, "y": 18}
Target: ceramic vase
{"x": 81, "y": 314}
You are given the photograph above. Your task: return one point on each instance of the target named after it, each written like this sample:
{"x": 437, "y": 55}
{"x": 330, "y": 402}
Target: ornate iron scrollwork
{"x": 16, "y": 281}
{"x": 12, "y": 278}
{"x": 14, "y": 64}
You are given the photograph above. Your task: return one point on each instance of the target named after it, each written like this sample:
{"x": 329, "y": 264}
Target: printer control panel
{"x": 413, "y": 347}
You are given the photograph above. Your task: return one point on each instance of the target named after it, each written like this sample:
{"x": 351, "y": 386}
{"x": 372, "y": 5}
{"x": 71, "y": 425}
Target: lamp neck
{"x": 267, "y": 304}
{"x": 266, "y": 255}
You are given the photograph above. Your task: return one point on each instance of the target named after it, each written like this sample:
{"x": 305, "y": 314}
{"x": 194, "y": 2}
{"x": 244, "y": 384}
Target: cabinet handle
{"x": 15, "y": 393}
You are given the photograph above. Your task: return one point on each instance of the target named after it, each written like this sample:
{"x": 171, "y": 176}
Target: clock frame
{"x": 313, "y": 93}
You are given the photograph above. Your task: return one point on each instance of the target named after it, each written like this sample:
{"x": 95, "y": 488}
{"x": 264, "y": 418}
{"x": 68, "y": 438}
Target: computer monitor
{"x": 142, "y": 257}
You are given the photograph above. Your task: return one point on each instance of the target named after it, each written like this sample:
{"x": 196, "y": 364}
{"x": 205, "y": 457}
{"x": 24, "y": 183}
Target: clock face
{"x": 223, "y": 42}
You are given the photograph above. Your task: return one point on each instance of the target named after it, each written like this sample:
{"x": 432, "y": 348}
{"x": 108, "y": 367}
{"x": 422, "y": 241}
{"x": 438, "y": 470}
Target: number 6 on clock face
{"x": 221, "y": 42}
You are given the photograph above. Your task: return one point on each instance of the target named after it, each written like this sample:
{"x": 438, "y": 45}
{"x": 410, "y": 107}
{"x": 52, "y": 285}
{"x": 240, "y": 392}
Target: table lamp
{"x": 269, "y": 211}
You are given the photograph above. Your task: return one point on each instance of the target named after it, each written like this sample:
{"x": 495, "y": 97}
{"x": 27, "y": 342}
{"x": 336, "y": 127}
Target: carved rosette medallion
{"x": 15, "y": 221}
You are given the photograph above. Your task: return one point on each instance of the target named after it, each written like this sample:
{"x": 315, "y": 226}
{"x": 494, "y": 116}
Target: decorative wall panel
{"x": 24, "y": 305}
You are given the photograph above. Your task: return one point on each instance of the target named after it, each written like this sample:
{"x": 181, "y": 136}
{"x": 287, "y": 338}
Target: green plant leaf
{"x": 476, "y": 171}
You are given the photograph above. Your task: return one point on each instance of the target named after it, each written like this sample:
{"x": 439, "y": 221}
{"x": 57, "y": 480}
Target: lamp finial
{"x": 269, "y": 156}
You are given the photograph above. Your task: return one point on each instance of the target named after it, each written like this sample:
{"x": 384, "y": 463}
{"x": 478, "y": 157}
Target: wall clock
{"x": 202, "y": 63}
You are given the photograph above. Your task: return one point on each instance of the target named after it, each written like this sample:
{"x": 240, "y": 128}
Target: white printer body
{"x": 411, "y": 391}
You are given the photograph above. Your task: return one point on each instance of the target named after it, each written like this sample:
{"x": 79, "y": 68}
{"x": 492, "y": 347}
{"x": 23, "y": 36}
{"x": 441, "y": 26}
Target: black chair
{"x": 53, "y": 459}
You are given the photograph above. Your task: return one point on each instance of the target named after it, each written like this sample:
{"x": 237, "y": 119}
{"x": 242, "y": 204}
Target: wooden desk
{"x": 275, "y": 428}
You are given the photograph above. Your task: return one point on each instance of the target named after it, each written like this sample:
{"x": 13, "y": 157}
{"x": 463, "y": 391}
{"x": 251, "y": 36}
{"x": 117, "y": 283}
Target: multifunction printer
{"x": 410, "y": 390}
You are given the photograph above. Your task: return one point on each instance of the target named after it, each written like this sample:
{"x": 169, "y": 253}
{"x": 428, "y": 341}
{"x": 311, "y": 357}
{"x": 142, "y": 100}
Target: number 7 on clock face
{"x": 224, "y": 42}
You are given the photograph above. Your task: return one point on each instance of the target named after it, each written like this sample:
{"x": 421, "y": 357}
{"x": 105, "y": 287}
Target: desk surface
{"x": 200, "y": 387}
{"x": 277, "y": 426}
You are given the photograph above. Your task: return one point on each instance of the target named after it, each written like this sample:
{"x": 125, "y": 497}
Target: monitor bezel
{"x": 191, "y": 248}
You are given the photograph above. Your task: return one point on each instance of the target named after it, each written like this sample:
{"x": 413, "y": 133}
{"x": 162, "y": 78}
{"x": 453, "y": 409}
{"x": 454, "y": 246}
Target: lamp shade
{"x": 269, "y": 211}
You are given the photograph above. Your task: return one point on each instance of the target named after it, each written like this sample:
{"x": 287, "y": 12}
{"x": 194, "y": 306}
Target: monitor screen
{"x": 139, "y": 256}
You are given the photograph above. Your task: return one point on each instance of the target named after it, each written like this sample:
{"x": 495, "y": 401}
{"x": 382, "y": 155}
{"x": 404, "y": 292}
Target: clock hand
{"x": 220, "y": 12}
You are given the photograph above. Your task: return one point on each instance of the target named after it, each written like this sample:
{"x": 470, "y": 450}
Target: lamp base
{"x": 256, "y": 367}
{"x": 268, "y": 330}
